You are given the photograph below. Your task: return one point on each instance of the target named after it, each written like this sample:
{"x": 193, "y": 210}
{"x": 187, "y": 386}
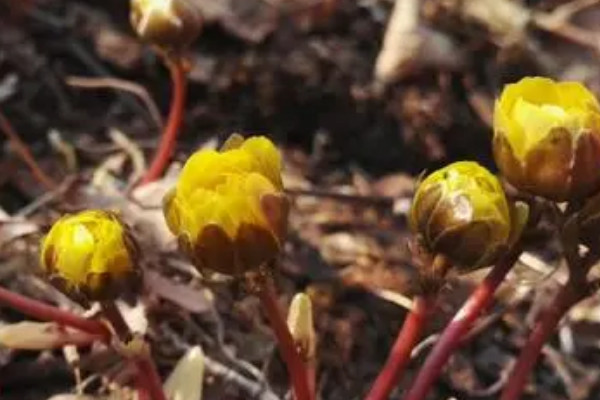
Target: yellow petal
{"x": 75, "y": 248}
{"x": 207, "y": 168}
{"x": 536, "y": 121}
{"x": 536, "y": 90}
{"x": 266, "y": 158}
{"x": 234, "y": 141}
{"x": 575, "y": 95}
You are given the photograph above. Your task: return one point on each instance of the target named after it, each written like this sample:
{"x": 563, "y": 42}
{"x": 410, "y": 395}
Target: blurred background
{"x": 358, "y": 118}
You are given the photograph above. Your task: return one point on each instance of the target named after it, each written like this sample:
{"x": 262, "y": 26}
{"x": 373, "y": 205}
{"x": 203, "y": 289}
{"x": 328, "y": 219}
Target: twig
{"x": 26, "y": 156}
{"x": 119, "y": 84}
{"x": 557, "y": 22}
{"x": 67, "y": 150}
{"x": 253, "y": 389}
{"x": 132, "y": 150}
{"x": 409, "y": 46}
{"x": 46, "y": 198}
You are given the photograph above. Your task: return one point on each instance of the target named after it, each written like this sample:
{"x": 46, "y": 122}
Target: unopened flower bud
{"x": 461, "y": 212}
{"x": 170, "y": 25}
{"x": 228, "y": 209}
{"x": 301, "y": 325}
{"x": 547, "y": 138}
{"x": 90, "y": 256}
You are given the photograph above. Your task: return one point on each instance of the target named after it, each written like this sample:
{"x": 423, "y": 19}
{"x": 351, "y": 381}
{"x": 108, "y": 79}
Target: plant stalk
{"x": 569, "y": 295}
{"x": 287, "y": 347}
{"x": 169, "y": 136}
{"x": 463, "y": 320}
{"x": 45, "y": 312}
{"x": 407, "y": 339}
{"x": 148, "y": 376}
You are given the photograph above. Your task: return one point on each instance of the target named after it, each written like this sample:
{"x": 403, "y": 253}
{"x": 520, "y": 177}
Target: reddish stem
{"x": 569, "y": 295}
{"x": 287, "y": 347}
{"x": 45, "y": 312}
{"x": 21, "y": 148}
{"x": 142, "y": 390}
{"x": 169, "y": 135}
{"x": 149, "y": 378}
{"x": 451, "y": 337}
{"x": 407, "y": 339}
{"x": 311, "y": 373}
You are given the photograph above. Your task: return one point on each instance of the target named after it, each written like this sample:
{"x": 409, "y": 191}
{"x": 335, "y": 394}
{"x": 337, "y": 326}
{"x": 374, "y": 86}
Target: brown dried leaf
{"x": 41, "y": 336}
{"x": 191, "y": 299}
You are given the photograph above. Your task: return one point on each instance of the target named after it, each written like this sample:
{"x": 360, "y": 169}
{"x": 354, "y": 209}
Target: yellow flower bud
{"x": 547, "y": 138}
{"x": 90, "y": 255}
{"x": 461, "y": 212}
{"x": 170, "y": 25}
{"x": 228, "y": 209}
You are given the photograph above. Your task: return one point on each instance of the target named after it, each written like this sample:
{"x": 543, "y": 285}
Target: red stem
{"x": 149, "y": 378}
{"x": 311, "y": 373}
{"x": 569, "y": 295}
{"x": 451, "y": 337}
{"x": 45, "y": 312}
{"x": 291, "y": 356}
{"x": 407, "y": 339}
{"x": 169, "y": 135}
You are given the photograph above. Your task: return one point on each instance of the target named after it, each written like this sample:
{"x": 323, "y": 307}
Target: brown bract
{"x": 559, "y": 168}
{"x": 461, "y": 212}
{"x": 170, "y": 25}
